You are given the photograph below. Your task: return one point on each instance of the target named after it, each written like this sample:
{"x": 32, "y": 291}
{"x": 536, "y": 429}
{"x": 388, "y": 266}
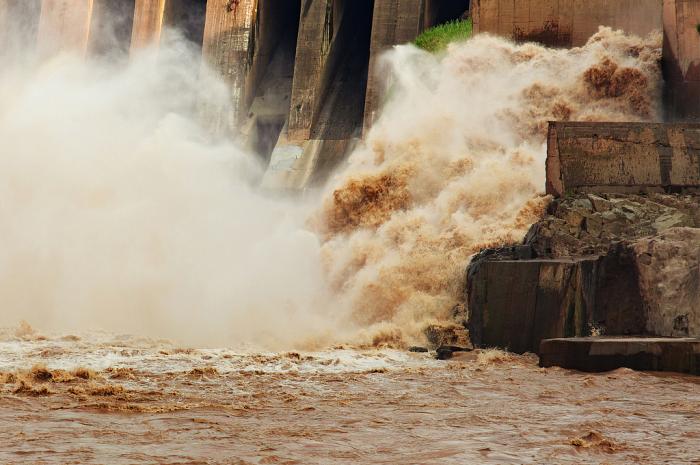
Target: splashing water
{"x": 456, "y": 164}
{"x": 118, "y": 211}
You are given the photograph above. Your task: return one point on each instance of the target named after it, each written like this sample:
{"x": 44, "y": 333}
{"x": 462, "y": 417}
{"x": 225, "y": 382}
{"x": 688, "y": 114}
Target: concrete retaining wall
{"x": 515, "y": 304}
{"x": 622, "y": 157}
{"x": 564, "y": 23}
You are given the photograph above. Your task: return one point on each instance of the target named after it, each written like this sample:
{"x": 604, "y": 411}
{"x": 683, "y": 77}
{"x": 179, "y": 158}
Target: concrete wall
{"x": 564, "y": 23}
{"x": 515, "y": 304}
{"x": 622, "y": 157}
{"x": 682, "y": 59}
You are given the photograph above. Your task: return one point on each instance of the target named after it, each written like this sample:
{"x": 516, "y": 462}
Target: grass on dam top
{"x": 436, "y": 38}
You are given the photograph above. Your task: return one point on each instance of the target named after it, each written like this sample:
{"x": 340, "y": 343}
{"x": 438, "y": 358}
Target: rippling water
{"x": 144, "y": 401}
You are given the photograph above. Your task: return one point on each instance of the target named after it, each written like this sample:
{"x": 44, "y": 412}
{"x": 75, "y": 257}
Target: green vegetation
{"x": 436, "y": 38}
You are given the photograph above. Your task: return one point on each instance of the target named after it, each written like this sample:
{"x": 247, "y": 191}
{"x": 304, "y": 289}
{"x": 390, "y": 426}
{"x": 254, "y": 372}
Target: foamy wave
{"x": 456, "y": 164}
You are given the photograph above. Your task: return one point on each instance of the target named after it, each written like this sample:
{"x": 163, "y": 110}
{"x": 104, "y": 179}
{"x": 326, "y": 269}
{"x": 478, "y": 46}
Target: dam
{"x": 304, "y": 75}
{"x": 513, "y": 220}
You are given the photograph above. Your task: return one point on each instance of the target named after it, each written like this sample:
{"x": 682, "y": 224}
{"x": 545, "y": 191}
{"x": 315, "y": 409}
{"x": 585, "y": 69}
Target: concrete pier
{"x": 623, "y": 157}
{"x": 564, "y": 23}
{"x": 596, "y": 354}
{"x": 392, "y": 23}
{"x": 148, "y": 23}
{"x": 681, "y": 59}
{"x": 330, "y": 78}
{"x": 228, "y": 48}
{"x": 64, "y": 26}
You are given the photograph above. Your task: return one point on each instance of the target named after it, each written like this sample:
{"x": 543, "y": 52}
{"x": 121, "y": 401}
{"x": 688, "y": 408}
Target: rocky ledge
{"x": 612, "y": 264}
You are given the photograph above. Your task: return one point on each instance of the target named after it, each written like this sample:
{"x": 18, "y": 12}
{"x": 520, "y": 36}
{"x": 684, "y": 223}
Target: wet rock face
{"x": 627, "y": 264}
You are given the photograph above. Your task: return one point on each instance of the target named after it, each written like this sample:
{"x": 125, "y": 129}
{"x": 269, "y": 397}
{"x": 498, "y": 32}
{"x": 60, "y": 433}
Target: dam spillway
{"x": 303, "y": 74}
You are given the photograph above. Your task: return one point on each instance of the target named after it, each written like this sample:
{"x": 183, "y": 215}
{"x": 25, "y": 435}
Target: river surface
{"x": 139, "y": 401}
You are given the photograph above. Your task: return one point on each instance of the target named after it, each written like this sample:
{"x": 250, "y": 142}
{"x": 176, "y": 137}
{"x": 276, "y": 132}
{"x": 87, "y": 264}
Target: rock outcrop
{"x": 589, "y": 224}
{"x": 614, "y": 264}
{"x": 668, "y": 266}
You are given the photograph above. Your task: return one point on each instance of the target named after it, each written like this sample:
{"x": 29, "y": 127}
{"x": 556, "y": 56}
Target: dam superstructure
{"x": 303, "y": 74}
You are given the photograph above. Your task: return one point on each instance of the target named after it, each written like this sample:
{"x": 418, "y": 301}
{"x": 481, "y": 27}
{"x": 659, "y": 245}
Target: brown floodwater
{"x": 121, "y": 400}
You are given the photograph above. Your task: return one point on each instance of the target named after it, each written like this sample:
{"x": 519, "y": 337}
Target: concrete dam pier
{"x": 302, "y": 73}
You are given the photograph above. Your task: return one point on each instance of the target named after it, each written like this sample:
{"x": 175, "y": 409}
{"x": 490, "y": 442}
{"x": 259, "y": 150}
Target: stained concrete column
{"x": 330, "y": 76}
{"x": 228, "y": 49}
{"x": 393, "y": 22}
{"x": 64, "y": 25}
{"x": 313, "y": 50}
{"x": 681, "y": 59}
{"x": 148, "y": 23}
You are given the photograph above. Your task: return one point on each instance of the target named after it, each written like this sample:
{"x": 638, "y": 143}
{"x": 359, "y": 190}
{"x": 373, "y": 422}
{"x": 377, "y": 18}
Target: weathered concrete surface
{"x": 328, "y": 92}
{"x": 148, "y": 23}
{"x": 516, "y": 303}
{"x": 681, "y": 59}
{"x": 316, "y": 37}
{"x": 564, "y": 23}
{"x": 393, "y": 22}
{"x": 606, "y": 353}
{"x": 228, "y": 49}
{"x": 64, "y": 26}
{"x": 668, "y": 266}
{"x": 622, "y": 157}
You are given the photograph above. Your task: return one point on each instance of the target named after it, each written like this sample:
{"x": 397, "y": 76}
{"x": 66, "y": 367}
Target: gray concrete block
{"x": 597, "y": 354}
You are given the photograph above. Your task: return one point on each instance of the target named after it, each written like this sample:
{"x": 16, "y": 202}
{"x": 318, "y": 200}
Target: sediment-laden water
{"x": 140, "y": 401}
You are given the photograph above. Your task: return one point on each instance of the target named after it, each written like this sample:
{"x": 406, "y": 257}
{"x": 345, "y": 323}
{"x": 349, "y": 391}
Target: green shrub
{"x": 436, "y": 38}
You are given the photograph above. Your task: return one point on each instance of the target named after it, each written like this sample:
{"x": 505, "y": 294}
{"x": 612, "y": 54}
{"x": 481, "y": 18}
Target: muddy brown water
{"x": 145, "y": 402}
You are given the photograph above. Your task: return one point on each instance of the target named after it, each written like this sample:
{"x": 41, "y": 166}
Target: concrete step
{"x": 596, "y": 354}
